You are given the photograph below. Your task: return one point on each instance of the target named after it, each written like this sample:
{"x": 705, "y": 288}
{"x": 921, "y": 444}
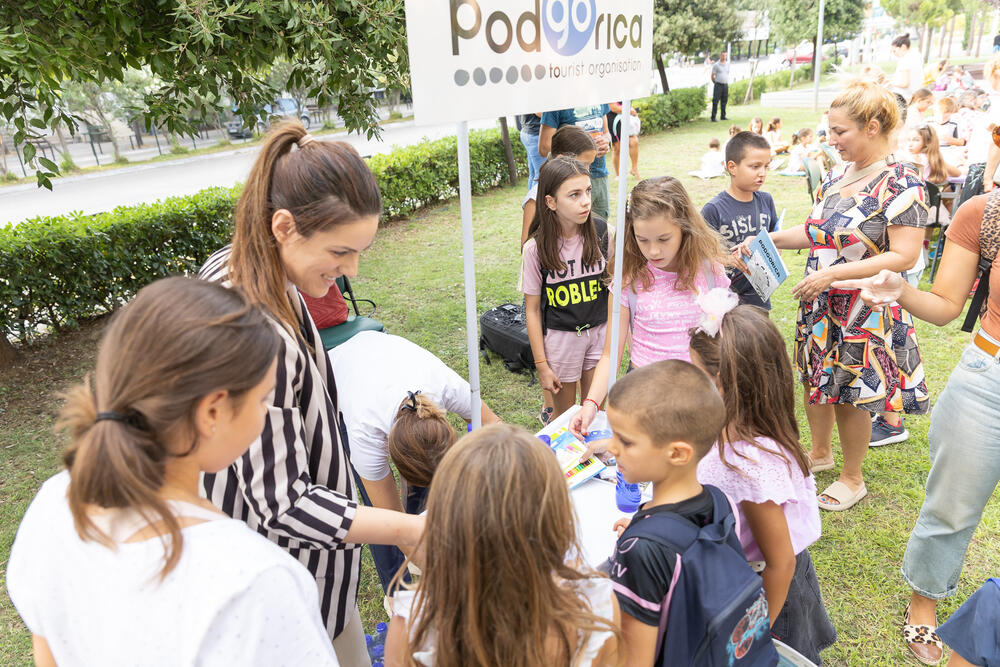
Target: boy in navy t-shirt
{"x": 592, "y": 120}
{"x": 740, "y": 211}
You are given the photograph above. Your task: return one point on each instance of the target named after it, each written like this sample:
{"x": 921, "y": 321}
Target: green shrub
{"x": 121, "y": 159}
{"x": 659, "y": 112}
{"x": 177, "y": 149}
{"x": 67, "y": 165}
{"x": 9, "y": 176}
{"x": 55, "y": 271}
{"x": 772, "y": 82}
{"x": 395, "y": 115}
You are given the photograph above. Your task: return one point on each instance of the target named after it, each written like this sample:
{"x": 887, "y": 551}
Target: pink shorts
{"x": 568, "y": 354}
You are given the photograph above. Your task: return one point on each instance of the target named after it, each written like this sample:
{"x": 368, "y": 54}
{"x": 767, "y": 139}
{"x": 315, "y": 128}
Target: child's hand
{"x": 595, "y": 448}
{"x": 620, "y": 526}
{"x": 547, "y": 378}
{"x": 581, "y": 420}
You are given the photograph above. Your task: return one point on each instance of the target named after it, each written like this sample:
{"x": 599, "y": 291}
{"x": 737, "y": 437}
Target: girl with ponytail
{"x": 308, "y": 210}
{"x": 111, "y": 549}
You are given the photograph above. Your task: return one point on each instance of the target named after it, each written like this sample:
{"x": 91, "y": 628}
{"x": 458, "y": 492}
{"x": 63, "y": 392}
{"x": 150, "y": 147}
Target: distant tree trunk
{"x": 972, "y": 33}
{"x": 979, "y": 36}
{"x": 663, "y": 73}
{"x": 928, "y": 32}
{"x": 62, "y": 140}
{"x": 951, "y": 35}
{"x": 508, "y": 151}
{"x": 749, "y": 96}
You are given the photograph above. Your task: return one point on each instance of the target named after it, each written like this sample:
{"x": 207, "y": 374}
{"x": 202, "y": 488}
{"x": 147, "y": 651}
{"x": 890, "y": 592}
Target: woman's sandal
{"x": 845, "y": 497}
{"x": 922, "y": 640}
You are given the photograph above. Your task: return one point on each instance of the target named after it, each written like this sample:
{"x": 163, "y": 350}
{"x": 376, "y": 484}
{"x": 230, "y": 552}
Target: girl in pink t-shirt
{"x": 671, "y": 256}
{"x": 759, "y": 463}
{"x": 563, "y": 264}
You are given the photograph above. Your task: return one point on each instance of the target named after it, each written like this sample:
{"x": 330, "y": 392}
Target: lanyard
{"x": 858, "y": 176}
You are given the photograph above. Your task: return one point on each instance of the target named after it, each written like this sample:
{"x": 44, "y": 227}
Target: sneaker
{"x": 545, "y": 416}
{"x": 884, "y": 433}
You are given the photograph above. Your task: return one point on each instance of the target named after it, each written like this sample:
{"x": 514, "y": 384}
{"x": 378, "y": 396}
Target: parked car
{"x": 283, "y": 107}
{"x": 803, "y": 54}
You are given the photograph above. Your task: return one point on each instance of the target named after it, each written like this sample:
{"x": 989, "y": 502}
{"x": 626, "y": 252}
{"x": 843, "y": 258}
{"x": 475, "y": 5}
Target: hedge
{"x": 660, "y": 112}
{"x": 56, "y": 271}
{"x": 772, "y": 82}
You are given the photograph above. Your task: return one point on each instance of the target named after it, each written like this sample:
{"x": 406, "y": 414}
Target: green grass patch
{"x": 414, "y": 274}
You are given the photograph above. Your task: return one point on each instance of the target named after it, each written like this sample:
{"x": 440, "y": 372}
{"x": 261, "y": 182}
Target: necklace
{"x": 863, "y": 173}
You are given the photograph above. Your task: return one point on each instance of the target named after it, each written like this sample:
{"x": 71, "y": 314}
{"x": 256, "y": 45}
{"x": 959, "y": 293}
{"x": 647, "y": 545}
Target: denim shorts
{"x": 803, "y": 623}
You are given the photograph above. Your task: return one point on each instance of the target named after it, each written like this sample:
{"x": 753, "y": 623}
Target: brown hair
{"x": 713, "y": 143}
{"x": 323, "y": 184}
{"x": 902, "y": 40}
{"x": 545, "y": 225}
{"x": 991, "y": 70}
{"x": 570, "y": 140}
{"x": 666, "y": 196}
{"x": 498, "y": 589}
{"x": 749, "y": 358}
{"x": 671, "y": 401}
{"x": 419, "y": 437}
{"x": 920, "y": 94}
{"x": 936, "y": 169}
{"x": 759, "y": 124}
{"x": 177, "y": 341}
{"x": 865, "y": 100}
{"x": 773, "y": 124}
{"x": 801, "y": 136}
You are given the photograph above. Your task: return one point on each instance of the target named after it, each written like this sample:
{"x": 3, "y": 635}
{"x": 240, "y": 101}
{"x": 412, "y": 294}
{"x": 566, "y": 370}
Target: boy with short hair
{"x": 665, "y": 417}
{"x": 741, "y": 210}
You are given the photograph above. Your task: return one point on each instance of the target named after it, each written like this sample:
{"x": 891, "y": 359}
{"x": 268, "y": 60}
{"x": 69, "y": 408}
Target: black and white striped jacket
{"x": 294, "y": 485}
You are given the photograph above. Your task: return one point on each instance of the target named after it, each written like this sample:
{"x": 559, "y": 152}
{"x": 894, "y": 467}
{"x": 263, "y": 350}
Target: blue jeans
{"x": 964, "y": 442}
{"x": 388, "y": 559}
{"x": 530, "y": 142}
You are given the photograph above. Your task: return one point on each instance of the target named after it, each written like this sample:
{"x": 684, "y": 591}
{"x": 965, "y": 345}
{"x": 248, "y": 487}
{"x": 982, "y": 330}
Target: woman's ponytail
{"x": 179, "y": 340}
{"x": 419, "y": 438}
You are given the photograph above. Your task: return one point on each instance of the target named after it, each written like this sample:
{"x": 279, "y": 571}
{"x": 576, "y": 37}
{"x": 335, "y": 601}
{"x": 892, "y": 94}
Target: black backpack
{"x": 989, "y": 244}
{"x": 504, "y": 330}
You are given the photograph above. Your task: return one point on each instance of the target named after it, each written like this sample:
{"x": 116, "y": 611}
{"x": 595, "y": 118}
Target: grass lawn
{"x": 414, "y": 273}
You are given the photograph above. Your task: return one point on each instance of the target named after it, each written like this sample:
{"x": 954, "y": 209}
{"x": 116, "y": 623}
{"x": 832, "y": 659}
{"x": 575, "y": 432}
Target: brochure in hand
{"x": 766, "y": 271}
{"x": 568, "y": 449}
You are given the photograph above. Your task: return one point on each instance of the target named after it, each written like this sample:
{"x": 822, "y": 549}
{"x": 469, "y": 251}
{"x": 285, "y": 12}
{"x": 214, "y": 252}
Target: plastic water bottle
{"x": 369, "y": 643}
{"x": 627, "y": 496}
{"x": 378, "y": 652}
{"x": 380, "y": 630}
{"x": 378, "y": 663}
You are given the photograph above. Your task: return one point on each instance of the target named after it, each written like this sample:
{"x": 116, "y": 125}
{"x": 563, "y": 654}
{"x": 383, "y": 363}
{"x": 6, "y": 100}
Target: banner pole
{"x": 468, "y": 259}
{"x": 616, "y": 306}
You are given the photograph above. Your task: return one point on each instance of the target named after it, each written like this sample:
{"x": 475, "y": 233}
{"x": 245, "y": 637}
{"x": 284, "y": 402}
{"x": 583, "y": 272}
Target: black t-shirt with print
{"x": 645, "y": 568}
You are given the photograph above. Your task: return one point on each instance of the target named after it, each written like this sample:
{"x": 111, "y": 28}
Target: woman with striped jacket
{"x": 307, "y": 211}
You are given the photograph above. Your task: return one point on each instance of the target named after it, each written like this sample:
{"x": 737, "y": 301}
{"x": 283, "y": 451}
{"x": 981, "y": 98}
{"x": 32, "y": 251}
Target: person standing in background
{"x": 720, "y": 93}
{"x": 530, "y": 124}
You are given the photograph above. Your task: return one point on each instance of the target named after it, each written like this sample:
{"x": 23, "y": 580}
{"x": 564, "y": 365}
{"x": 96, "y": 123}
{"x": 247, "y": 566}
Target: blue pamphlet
{"x": 765, "y": 270}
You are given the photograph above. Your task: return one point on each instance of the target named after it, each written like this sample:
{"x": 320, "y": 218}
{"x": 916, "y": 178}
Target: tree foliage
{"x": 682, "y": 26}
{"x": 196, "y": 49}
{"x": 795, "y": 20}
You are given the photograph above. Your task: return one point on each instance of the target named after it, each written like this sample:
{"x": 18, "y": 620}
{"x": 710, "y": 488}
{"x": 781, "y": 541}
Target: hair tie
{"x": 411, "y": 396}
{"x": 715, "y": 303}
{"x": 306, "y": 139}
{"x": 134, "y": 420}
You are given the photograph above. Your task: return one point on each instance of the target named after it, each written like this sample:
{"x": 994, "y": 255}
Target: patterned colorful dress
{"x": 845, "y": 351}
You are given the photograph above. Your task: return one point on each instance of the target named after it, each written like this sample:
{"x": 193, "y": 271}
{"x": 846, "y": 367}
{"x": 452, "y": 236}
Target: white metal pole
{"x": 616, "y": 306}
{"x": 818, "y": 55}
{"x": 471, "y": 320}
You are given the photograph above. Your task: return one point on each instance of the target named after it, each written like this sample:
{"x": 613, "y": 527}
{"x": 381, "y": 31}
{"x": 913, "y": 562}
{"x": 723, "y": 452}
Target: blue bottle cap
{"x": 378, "y": 651}
{"x": 381, "y": 627}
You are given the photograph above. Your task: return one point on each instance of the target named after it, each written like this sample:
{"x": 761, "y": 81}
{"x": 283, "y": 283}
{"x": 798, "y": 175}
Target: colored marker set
{"x": 568, "y": 450}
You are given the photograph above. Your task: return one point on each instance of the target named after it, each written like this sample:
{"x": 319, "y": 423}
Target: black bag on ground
{"x": 504, "y": 331}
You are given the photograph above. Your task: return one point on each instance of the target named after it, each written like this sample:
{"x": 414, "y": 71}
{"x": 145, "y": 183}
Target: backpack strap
{"x": 989, "y": 245}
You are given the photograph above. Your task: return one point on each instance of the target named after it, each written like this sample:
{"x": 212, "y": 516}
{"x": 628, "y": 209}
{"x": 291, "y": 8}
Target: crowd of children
{"x": 705, "y": 414}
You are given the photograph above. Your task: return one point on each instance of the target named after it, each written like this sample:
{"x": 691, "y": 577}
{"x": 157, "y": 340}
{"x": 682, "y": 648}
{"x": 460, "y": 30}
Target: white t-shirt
{"x": 598, "y": 593}
{"x": 373, "y": 371}
{"x": 982, "y": 139}
{"x": 234, "y": 598}
{"x": 913, "y": 63}
{"x": 713, "y": 162}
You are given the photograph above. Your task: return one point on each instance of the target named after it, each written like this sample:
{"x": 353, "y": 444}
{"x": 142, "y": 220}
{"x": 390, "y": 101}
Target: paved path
{"x": 105, "y": 190}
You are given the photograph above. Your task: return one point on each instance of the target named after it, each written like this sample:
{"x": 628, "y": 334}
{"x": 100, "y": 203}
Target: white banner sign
{"x": 472, "y": 59}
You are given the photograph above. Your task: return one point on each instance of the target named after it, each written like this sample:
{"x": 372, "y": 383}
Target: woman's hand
{"x": 738, "y": 252}
{"x": 580, "y": 422}
{"x": 813, "y": 285}
{"x": 884, "y": 288}
{"x": 547, "y": 378}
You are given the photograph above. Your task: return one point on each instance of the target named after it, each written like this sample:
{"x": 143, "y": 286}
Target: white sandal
{"x": 845, "y": 497}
